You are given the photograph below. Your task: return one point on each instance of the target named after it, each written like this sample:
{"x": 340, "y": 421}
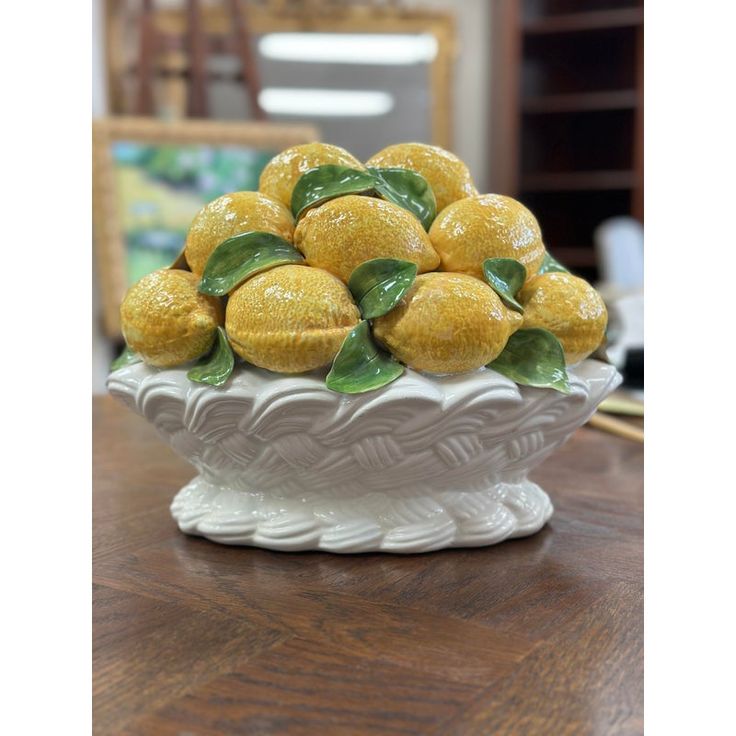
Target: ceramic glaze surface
{"x": 345, "y": 232}
{"x": 447, "y": 322}
{"x": 422, "y": 464}
{"x": 486, "y": 226}
{"x": 290, "y": 319}
{"x": 282, "y": 172}
{"x": 229, "y": 215}
{"x": 446, "y": 173}
{"x": 166, "y": 320}
{"x": 570, "y": 308}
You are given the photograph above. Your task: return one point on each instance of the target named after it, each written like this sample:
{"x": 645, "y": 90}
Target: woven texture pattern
{"x": 426, "y": 463}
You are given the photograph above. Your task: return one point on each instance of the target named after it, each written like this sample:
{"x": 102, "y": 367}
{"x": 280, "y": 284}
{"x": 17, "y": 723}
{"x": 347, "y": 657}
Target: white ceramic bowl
{"x": 425, "y": 463}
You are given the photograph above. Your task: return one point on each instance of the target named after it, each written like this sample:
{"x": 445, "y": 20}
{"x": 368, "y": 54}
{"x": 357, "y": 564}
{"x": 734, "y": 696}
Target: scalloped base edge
{"x": 375, "y": 523}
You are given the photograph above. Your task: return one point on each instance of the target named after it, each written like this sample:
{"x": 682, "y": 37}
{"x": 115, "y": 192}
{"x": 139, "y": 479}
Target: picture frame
{"x": 277, "y": 16}
{"x": 130, "y": 152}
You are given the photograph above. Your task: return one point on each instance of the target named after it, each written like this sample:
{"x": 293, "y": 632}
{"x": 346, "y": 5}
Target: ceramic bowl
{"x": 424, "y": 463}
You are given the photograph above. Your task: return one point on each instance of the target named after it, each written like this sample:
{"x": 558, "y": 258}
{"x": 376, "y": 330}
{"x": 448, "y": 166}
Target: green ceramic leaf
{"x": 506, "y": 276}
{"x": 216, "y": 367}
{"x": 127, "y": 357}
{"x": 404, "y": 188}
{"x": 360, "y": 366}
{"x": 242, "y": 256}
{"x": 409, "y": 190}
{"x": 534, "y": 357}
{"x": 378, "y": 285}
{"x": 550, "y": 264}
{"x": 327, "y": 182}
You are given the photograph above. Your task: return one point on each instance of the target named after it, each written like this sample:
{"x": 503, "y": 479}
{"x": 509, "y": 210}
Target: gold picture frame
{"x": 109, "y": 239}
{"x": 277, "y": 16}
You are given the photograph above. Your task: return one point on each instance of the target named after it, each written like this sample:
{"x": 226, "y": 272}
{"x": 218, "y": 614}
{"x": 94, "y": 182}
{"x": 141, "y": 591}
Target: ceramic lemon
{"x": 282, "y": 172}
{"x": 345, "y": 232}
{"x": 167, "y": 321}
{"x": 446, "y": 173}
{"x": 570, "y": 308}
{"x": 290, "y": 319}
{"x": 486, "y": 226}
{"x": 447, "y": 323}
{"x": 230, "y": 215}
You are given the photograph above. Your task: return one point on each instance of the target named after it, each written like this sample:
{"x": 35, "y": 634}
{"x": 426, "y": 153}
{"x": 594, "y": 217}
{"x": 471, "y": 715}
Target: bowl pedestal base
{"x": 399, "y": 522}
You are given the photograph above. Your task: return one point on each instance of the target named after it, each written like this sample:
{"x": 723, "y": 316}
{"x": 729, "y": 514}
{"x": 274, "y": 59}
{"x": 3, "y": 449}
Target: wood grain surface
{"x": 534, "y": 636}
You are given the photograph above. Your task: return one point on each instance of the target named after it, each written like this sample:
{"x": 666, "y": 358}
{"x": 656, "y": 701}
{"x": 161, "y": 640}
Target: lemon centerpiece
{"x": 335, "y": 265}
{"x": 339, "y": 278}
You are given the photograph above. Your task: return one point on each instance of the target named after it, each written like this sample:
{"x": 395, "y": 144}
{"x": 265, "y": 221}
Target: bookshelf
{"x": 567, "y": 116}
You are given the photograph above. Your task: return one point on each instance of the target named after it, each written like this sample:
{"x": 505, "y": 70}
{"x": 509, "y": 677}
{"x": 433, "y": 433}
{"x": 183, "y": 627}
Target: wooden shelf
{"x": 587, "y": 21}
{"x": 578, "y": 181}
{"x": 625, "y": 99}
{"x": 575, "y": 257}
{"x": 569, "y": 127}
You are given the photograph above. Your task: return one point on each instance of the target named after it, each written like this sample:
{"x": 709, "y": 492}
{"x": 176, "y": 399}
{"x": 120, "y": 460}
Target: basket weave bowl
{"x": 425, "y": 463}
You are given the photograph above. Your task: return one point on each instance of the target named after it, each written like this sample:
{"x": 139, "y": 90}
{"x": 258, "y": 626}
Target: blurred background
{"x": 542, "y": 99}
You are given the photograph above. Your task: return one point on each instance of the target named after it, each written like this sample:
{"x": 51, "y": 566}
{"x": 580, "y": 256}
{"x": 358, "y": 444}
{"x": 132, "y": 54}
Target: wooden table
{"x": 535, "y": 636}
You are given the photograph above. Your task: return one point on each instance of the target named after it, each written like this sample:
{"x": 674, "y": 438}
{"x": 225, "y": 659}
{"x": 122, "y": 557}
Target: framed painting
{"x": 150, "y": 177}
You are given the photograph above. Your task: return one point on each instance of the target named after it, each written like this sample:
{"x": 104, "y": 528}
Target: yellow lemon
{"x": 282, "y": 172}
{"x": 486, "y": 226}
{"x": 167, "y": 321}
{"x": 347, "y": 231}
{"x": 570, "y": 308}
{"x": 230, "y": 215}
{"x": 290, "y": 319}
{"x": 446, "y": 173}
{"x": 447, "y": 323}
